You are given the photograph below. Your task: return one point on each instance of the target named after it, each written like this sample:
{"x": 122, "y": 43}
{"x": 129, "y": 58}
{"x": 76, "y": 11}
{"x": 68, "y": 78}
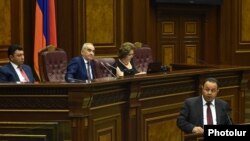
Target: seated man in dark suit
{"x": 16, "y": 70}
{"x": 204, "y": 110}
{"x": 81, "y": 68}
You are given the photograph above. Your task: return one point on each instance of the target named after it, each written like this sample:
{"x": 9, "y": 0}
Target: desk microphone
{"x": 228, "y": 116}
{"x": 110, "y": 66}
{"x": 108, "y": 69}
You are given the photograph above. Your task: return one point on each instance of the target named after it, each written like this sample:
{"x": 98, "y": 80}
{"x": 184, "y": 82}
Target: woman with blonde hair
{"x": 124, "y": 64}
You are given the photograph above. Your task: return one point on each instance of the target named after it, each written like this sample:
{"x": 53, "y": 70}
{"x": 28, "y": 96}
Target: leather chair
{"x": 142, "y": 57}
{"x": 52, "y": 64}
{"x": 103, "y": 67}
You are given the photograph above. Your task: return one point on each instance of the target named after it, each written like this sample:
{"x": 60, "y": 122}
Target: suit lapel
{"x": 200, "y": 111}
{"x": 84, "y": 69}
{"x": 92, "y": 68}
{"x": 218, "y": 112}
{"x": 12, "y": 69}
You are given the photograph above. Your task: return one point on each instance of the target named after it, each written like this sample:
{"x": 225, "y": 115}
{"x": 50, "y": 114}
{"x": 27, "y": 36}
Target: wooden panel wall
{"x": 183, "y": 34}
{"x": 5, "y": 24}
{"x": 184, "y": 28}
{"x": 11, "y": 26}
{"x": 99, "y": 22}
{"x": 5, "y": 34}
{"x": 240, "y": 32}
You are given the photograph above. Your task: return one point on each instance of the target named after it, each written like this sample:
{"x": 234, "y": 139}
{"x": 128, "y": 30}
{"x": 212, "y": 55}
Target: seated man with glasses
{"x": 124, "y": 64}
{"x": 204, "y": 110}
{"x": 81, "y": 68}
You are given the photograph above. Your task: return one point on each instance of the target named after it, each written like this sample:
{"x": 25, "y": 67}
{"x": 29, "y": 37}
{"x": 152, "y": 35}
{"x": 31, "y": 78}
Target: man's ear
{"x": 11, "y": 57}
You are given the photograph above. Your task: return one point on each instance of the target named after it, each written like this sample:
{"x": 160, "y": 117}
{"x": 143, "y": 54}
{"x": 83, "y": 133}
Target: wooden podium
{"x": 193, "y": 137}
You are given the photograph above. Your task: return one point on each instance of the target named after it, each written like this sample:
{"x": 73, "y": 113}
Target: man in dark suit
{"x": 16, "y": 70}
{"x": 195, "y": 113}
{"x": 81, "y": 68}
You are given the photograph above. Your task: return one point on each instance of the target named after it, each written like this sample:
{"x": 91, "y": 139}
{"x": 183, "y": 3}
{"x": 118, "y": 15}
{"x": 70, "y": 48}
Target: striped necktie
{"x": 24, "y": 74}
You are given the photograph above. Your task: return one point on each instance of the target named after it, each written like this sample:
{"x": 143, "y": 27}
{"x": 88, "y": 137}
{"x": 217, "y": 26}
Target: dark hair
{"x": 13, "y": 48}
{"x": 211, "y": 79}
{"x": 125, "y": 49}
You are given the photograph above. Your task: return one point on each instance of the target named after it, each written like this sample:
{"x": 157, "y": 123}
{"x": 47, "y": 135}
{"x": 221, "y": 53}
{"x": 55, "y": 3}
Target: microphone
{"x": 228, "y": 116}
{"x": 108, "y": 69}
{"x": 110, "y": 66}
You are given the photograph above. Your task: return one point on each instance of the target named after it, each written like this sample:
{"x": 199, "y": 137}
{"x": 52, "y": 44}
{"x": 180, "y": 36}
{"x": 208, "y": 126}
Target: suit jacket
{"x": 8, "y": 73}
{"x": 76, "y": 70}
{"x": 191, "y": 114}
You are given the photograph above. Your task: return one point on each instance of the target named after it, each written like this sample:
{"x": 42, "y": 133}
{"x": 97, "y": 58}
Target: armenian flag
{"x": 45, "y": 28}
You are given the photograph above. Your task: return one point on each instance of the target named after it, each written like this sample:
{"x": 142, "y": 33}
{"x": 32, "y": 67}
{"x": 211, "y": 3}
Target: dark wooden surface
{"x": 137, "y": 108}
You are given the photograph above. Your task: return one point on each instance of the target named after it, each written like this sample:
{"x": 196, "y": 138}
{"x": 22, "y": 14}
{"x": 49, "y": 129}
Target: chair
{"x": 102, "y": 67}
{"x": 142, "y": 57}
{"x": 52, "y": 64}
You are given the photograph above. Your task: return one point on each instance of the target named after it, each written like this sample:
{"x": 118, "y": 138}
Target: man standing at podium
{"x": 204, "y": 110}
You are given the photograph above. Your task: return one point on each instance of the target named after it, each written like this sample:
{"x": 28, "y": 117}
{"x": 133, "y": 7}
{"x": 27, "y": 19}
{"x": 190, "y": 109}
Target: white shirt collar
{"x": 14, "y": 65}
{"x": 204, "y": 102}
{"x": 85, "y": 61}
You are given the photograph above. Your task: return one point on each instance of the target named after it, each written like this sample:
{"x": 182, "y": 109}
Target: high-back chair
{"x": 52, "y": 64}
{"x": 103, "y": 67}
{"x": 142, "y": 57}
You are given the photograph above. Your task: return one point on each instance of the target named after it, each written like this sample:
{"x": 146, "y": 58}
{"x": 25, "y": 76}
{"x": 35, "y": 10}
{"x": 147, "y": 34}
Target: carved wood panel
{"x": 11, "y": 17}
{"x": 181, "y": 35}
{"x": 102, "y": 25}
{"x": 5, "y": 29}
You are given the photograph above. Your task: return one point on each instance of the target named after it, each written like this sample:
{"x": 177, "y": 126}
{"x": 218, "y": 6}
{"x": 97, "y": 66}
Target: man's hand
{"x": 198, "y": 130}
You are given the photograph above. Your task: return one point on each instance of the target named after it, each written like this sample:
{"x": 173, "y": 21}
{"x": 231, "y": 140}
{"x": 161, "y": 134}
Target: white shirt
{"x": 212, "y": 107}
{"x": 18, "y": 71}
{"x": 90, "y": 69}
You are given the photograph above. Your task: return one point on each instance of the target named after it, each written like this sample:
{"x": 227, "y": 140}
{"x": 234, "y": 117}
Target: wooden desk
{"x": 193, "y": 137}
{"x": 136, "y": 108}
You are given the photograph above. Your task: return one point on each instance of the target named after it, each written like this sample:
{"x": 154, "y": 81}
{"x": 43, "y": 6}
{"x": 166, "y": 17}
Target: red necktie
{"x": 24, "y": 74}
{"x": 209, "y": 115}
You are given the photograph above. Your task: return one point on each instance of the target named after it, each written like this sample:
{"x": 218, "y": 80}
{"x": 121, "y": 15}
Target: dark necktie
{"x": 88, "y": 71}
{"x": 209, "y": 114}
{"x": 24, "y": 74}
